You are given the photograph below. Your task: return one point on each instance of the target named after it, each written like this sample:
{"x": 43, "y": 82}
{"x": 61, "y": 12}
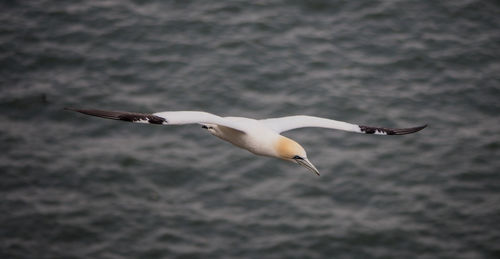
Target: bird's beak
{"x": 307, "y": 164}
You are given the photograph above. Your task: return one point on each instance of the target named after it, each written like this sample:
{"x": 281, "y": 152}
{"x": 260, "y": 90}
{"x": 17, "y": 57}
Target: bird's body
{"x": 257, "y": 138}
{"x": 261, "y": 137}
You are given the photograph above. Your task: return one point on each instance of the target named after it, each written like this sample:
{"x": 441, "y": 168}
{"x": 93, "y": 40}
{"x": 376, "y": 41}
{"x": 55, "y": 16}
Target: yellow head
{"x": 290, "y": 150}
{"x": 287, "y": 149}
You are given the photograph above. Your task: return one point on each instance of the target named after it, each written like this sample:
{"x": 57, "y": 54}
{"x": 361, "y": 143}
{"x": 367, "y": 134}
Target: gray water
{"x": 74, "y": 186}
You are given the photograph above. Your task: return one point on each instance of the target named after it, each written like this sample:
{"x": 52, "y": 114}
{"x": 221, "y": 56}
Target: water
{"x": 81, "y": 187}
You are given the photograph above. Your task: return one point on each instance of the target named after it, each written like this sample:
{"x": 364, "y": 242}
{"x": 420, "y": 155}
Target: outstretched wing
{"x": 164, "y": 118}
{"x": 302, "y": 121}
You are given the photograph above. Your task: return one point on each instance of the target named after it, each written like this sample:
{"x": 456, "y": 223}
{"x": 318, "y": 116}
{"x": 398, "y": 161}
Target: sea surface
{"x": 75, "y": 186}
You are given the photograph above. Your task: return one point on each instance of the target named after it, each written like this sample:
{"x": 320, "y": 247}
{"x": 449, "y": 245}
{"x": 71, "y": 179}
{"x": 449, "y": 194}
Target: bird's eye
{"x": 297, "y": 157}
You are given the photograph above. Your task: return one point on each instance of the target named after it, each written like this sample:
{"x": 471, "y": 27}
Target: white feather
{"x": 302, "y": 121}
{"x": 190, "y": 117}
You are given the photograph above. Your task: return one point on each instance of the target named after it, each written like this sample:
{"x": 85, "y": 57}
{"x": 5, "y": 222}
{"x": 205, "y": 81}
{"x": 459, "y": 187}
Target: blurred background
{"x": 74, "y": 186}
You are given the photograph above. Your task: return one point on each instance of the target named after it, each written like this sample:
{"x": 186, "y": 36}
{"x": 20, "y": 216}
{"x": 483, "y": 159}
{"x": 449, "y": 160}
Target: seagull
{"x": 260, "y": 137}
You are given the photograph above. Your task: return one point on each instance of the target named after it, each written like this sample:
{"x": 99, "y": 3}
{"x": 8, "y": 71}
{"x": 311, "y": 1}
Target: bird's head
{"x": 290, "y": 150}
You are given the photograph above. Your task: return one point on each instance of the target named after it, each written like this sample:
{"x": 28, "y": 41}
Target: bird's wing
{"x": 302, "y": 121}
{"x": 164, "y": 118}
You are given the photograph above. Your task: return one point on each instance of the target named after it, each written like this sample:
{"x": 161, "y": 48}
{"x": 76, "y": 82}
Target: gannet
{"x": 261, "y": 137}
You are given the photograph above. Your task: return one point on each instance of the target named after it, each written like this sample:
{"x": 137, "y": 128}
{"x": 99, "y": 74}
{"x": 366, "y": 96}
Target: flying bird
{"x": 261, "y": 137}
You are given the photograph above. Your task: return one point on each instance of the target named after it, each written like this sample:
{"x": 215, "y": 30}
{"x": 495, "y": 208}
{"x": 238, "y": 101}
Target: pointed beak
{"x": 307, "y": 164}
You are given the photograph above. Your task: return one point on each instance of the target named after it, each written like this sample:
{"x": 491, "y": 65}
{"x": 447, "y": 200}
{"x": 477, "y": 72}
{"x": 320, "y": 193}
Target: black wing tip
{"x": 119, "y": 115}
{"x": 388, "y": 131}
{"x": 409, "y": 130}
{"x": 85, "y": 111}
{"x": 98, "y": 113}
{"x": 419, "y": 128}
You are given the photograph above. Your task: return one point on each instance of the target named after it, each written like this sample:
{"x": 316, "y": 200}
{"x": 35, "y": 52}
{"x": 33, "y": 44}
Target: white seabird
{"x": 261, "y": 137}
